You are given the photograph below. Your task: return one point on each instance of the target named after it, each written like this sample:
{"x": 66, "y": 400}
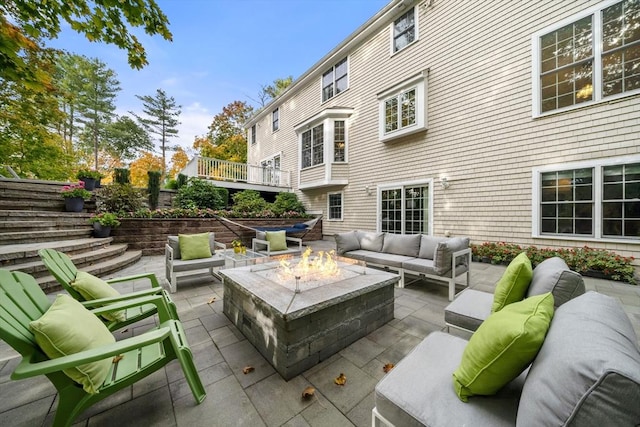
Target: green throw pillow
{"x": 277, "y": 240}
{"x": 194, "y": 246}
{"x": 92, "y": 287}
{"x": 503, "y": 346}
{"x": 513, "y": 284}
{"x": 68, "y": 328}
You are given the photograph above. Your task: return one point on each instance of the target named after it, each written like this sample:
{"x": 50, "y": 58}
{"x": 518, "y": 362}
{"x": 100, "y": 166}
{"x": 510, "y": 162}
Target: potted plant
{"x": 103, "y": 223}
{"x": 239, "y": 247}
{"x": 89, "y": 177}
{"x": 74, "y": 196}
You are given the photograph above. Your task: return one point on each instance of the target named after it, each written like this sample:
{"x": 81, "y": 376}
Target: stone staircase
{"x": 32, "y": 217}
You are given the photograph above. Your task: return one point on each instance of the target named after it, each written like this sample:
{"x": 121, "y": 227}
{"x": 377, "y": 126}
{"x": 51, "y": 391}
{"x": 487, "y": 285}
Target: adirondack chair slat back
{"x": 60, "y": 265}
{"x": 21, "y": 301}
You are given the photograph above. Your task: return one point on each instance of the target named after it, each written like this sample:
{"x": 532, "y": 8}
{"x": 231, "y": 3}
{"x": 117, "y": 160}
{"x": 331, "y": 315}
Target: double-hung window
{"x": 334, "y": 208}
{"x": 404, "y": 30}
{"x": 335, "y": 80}
{"x": 275, "y": 119}
{"x": 339, "y": 141}
{"x": 405, "y": 209}
{"x": 313, "y": 146}
{"x": 253, "y": 135}
{"x": 593, "y": 199}
{"x": 591, "y": 57}
{"x": 402, "y": 109}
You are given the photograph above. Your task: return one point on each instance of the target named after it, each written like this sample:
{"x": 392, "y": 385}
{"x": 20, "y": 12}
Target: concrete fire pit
{"x": 295, "y": 331}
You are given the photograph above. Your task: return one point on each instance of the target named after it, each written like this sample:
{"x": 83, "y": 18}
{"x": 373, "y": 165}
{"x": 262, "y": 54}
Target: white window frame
{"x": 338, "y": 193}
{"x": 334, "y": 81}
{"x": 275, "y": 120}
{"x": 270, "y": 173}
{"x": 420, "y": 84}
{"x": 333, "y": 141}
{"x": 596, "y": 29}
{"x": 402, "y": 185}
{"x": 416, "y": 33}
{"x": 597, "y": 166}
{"x": 252, "y": 133}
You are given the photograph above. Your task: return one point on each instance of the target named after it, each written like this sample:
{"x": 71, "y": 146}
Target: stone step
{"x": 28, "y": 252}
{"x": 12, "y": 238}
{"x": 49, "y": 283}
{"x": 36, "y": 268}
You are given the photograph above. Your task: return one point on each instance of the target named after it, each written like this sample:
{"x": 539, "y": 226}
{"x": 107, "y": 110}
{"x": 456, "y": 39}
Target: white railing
{"x": 223, "y": 170}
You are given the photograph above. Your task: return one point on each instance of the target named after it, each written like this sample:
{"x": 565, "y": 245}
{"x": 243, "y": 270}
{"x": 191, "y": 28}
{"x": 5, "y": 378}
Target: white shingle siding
{"x": 480, "y": 135}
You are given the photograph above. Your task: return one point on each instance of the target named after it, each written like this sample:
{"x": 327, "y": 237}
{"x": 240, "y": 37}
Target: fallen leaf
{"x": 308, "y": 392}
{"x": 117, "y": 358}
{"x": 341, "y": 380}
{"x": 211, "y": 300}
{"x": 386, "y": 368}
{"x": 247, "y": 369}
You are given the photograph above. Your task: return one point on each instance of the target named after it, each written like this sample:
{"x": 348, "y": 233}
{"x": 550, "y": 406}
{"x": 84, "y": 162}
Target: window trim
{"x": 252, "y": 133}
{"x": 596, "y": 30}
{"x": 341, "y": 193}
{"x": 333, "y": 82}
{"x": 402, "y": 184}
{"x": 327, "y": 118}
{"x": 275, "y": 119}
{"x": 420, "y": 83}
{"x": 597, "y": 165}
{"x": 416, "y": 35}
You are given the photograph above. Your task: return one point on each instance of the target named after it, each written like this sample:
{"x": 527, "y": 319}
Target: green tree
{"x": 161, "y": 119}
{"x": 226, "y": 139}
{"x": 272, "y": 91}
{"x": 24, "y": 25}
{"x": 124, "y": 138}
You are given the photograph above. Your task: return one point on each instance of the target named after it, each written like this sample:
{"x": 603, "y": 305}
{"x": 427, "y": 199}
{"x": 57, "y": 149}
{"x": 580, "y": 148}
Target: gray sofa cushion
{"x": 419, "y": 390}
{"x": 402, "y": 244}
{"x": 346, "y": 242}
{"x": 371, "y": 241}
{"x": 419, "y": 265}
{"x": 469, "y": 309}
{"x": 587, "y": 372}
{"x": 553, "y": 275}
{"x": 360, "y": 254}
{"x": 428, "y": 245}
{"x": 389, "y": 260}
{"x": 444, "y": 251}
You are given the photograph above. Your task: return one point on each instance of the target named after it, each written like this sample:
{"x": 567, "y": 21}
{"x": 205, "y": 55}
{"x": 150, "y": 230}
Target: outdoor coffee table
{"x": 295, "y": 331}
{"x": 240, "y": 259}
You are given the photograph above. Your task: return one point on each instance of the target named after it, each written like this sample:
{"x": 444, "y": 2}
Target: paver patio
{"x": 261, "y": 397}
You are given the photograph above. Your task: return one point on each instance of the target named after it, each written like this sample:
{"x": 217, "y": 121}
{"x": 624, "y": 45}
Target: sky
{"x": 225, "y": 51}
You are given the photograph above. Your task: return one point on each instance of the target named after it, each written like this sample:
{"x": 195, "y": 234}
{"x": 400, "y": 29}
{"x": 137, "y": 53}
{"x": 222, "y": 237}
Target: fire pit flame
{"x": 321, "y": 266}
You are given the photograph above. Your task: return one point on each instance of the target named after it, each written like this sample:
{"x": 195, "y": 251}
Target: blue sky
{"x": 225, "y": 50}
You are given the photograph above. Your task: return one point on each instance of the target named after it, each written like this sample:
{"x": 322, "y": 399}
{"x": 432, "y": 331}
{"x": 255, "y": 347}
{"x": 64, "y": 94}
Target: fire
{"x": 324, "y": 265}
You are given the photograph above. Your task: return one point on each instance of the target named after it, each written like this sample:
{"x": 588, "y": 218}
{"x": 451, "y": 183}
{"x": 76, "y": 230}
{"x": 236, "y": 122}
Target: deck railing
{"x": 223, "y": 170}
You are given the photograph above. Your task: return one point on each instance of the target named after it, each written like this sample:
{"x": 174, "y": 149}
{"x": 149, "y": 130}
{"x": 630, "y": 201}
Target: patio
{"x": 260, "y": 397}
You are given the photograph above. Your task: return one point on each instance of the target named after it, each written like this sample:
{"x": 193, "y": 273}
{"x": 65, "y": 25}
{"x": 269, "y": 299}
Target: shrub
{"x": 106, "y": 219}
{"x": 248, "y": 201}
{"x": 171, "y": 184}
{"x": 200, "y": 194}
{"x": 75, "y": 190}
{"x": 154, "y": 188}
{"x": 286, "y": 202}
{"x": 181, "y": 181}
{"x": 119, "y": 198}
{"x": 122, "y": 175}
{"x": 88, "y": 173}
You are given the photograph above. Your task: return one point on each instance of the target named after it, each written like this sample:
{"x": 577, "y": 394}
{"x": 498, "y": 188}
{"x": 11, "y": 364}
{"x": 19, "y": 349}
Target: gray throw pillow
{"x": 346, "y": 242}
{"x": 175, "y": 245}
{"x": 444, "y": 252}
{"x": 401, "y": 244}
{"x": 553, "y": 275}
{"x": 371, "y": 241}
{"x": 428, "y": 245}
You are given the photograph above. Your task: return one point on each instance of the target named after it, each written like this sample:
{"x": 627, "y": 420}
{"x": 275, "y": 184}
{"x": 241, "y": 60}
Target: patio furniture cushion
{"x": 588, "y": 369}
{"x": 553, "y": 275}
{"x": 92, "y": 287}
{"x": 428, "y": 245}
{"x": 419, "y": 265}
{"x": 385, "y": 259}
{"x": 402, "y": 244}
{"x": 469, "y": 309}
{"x": 371, "y": 241}
{"x": 68, "y": 328}
{"x": 360, "y": 254}
{"x": 418, "y": 391}
{"x": 443, "y": 253}
{"x": 194, "y": 246}
{"x": 277, "y": 240}
{"x": 503, "y": 346}
{"x": 514, "y": 282}
{"x": 346, "y": 242}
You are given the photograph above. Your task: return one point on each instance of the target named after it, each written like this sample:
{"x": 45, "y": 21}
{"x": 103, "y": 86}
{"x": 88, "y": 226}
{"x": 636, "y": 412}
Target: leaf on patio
{"x": 211, "y": 300}
{"x": 387, "y": 367}
{"x": 117, "y": 358}
{"x": 308, "y": 392}
{"x": 247, "y": 369}
{"x": 341, "y": 380}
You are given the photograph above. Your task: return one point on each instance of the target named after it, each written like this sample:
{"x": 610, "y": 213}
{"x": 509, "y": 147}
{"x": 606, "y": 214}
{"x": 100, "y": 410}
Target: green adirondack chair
{"x": 22, "y": 301}
{"x": 62, "y": 268}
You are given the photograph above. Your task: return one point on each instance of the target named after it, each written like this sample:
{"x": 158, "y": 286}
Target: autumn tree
{"x": 24, "y": 25}
{"x": 178, "y": 162}
{"x": 161, "y": 119}
{"x": 143, "y": 164}
{"x": 226, "y": 138}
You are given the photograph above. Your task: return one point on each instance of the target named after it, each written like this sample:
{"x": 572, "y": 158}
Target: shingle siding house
{"x": 513, "y": 121}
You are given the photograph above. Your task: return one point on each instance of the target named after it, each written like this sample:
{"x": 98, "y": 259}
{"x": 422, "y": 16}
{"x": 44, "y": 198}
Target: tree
{"x": 178, "y": 161}
{"x": 226, "y": 139}
{"x": 269, "y": 92}
{"x": 124, "y": 138}
{"x": 23, "y": 25}
{"x": 139, "y": 168}
{"x": 162, "y": 119}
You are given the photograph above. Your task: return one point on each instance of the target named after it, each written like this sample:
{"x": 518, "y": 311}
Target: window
{"x": 404, "y": 30}
{"x": 402, "y": 108}
{"x": 334, "y": 201}
{"x": 405, "y": 209}
{"x": 591, "y": 57}
{"x": 253, "y": 134}
{"x": 339, "y": 141}
{"x": 313, "y": 146}
{"x": 275, "y": 120}
{"x": 271, "y": 170}
{"x": 335, "y": 80}
{"x": 595, "y": 199}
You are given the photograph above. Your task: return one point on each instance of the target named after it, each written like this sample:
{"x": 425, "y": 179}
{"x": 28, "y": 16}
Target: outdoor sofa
{"x": 436, "y": 258}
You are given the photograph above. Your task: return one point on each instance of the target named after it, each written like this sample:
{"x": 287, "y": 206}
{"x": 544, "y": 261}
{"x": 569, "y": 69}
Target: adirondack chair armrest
{"x": 28, "y": 368}
{"x": 158, "y": 300}
{"x": 151, "y": 276}
{"x": 123, "y": 297}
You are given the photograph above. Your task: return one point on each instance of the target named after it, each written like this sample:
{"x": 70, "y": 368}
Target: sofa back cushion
{"x": 371, "y": 241}
{"x": 444, "y": 252}
{"x": 346, "y": 242}
{"x": 553, "y": 275}
{"x": 588, "y": 369}
{"x": 428, "y": 245}
{"x": 402, "y": 244}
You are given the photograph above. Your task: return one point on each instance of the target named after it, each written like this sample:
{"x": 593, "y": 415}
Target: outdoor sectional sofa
{"x": 587, "y": 373}
{"x": 436, "y": 258}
